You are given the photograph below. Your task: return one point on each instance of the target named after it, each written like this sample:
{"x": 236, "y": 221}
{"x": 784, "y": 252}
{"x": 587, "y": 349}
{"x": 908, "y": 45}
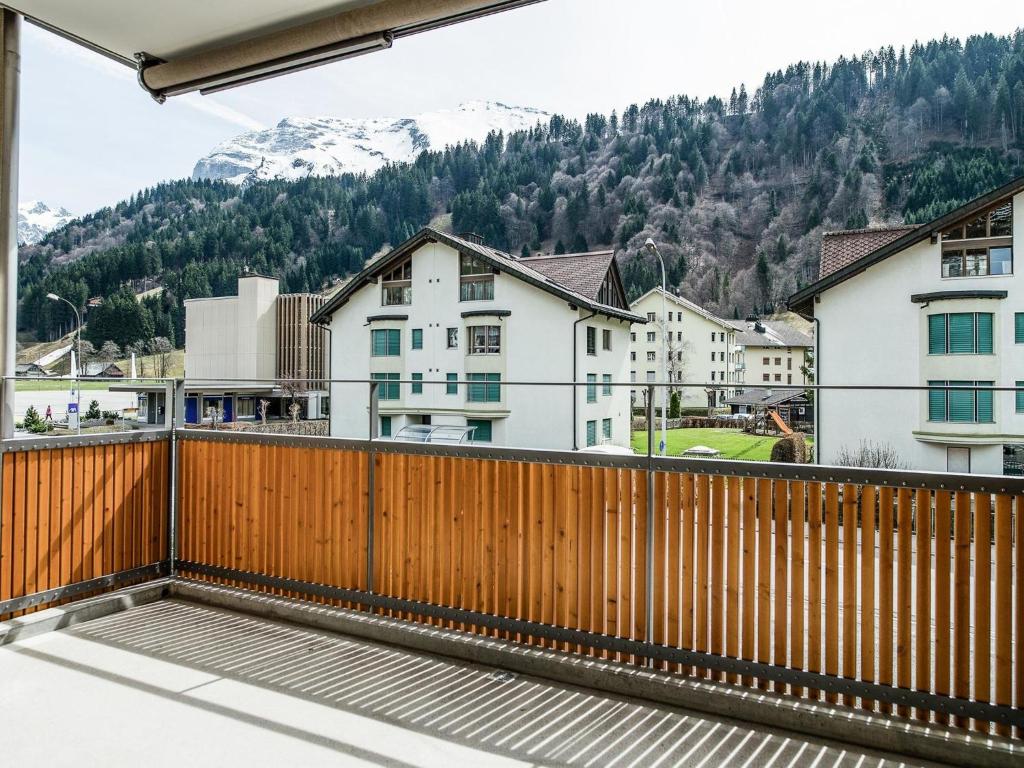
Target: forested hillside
{"x": 736, "y": 192}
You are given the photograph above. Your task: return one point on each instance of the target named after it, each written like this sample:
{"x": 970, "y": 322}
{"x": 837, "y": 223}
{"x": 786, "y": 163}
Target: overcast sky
{"x": 90, "y": 136}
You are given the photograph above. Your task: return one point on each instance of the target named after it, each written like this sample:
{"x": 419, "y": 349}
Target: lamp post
{"x": 78, "y": 325}
{"x": 653, "y": 248}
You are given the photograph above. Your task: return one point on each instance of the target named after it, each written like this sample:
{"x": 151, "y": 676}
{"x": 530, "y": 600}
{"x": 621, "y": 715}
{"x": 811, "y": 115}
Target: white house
{"x": 440, "y": 309}
{"x": 770, "y": 353}
{"x": 700, "y": 349}
{"x": 939, "y": 305}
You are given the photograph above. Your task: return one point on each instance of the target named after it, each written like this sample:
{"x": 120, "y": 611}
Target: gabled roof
{"x": 846, "y": 246}
{"x": 582, "y": 272}
{"x": 503, "y": 262}
{"x": 803, "y": 300}
{"x": 687, "y": 304}
{"x": 775, "y": 334}
{"x": 766, "y": 397}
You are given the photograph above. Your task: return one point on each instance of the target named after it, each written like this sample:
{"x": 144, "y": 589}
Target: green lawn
{"x": 733, "y": 443}
{"x": 40, "y": 385}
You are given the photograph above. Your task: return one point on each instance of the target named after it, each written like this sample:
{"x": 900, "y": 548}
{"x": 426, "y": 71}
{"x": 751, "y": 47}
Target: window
{"x": 484, "y": 339}
{"x": 980, "y": 246}
{"x": 960, "y": 333}
{"x": 451, "y": 388}
{"x": 606, "y": 429}
{"x": 386, "y": 342}
{"x": 632, "y": 376}
{"x": 453, "y": 338}
{"x": 766, "y": 360}
{"x": 591, "y": 340}
{"x": 789, "y": 363}
{"x": 417, "y": 338}
{"x": 591, "y": 433}
{"x": 1019, "y": 396}
{"x": 385, "y": 426}
{"x": 606, "y": 339}
{"x": 670, "y": 317}
{"x": 245, "y": 407}
{"x": 679, "y": 355}
{"x": 606, "y": 384}
{"x": 650, "y": 317}
{"x": 679, "y": 335}
{"x": 778, "y": 361}
{"x": 387, "y": 391}
{"x": 396, "y": 285}
{"x": 632, "y": 355}
{"x": 712, "y": 357}
{"x": 721, "y": 357}
{"x": 482, "y": 431}
{"x": 712, "y": 336}
{"x": 721, "y": 336}
{"x": 650, "y": 376}
{"x": 651, "y": 336}
{"x": 1018, "y": 328}
{"x": 632, "y": 336}
{"x": 960, "y": 405}
{"x": 778, "y": 377}
{"x": 591, "y": 387}
{"x": 650, "y": 356}
{"x": 789, "y": 378}
{"x": 483, "y": 388}
{"x": 721, "y": 375}
{"x": 417, "y": 383}
{"x": 476, "y": 279}
{"x": 765, "y": 377}
{"x": 712, "y": 375}
{"x": 958, "y": 459}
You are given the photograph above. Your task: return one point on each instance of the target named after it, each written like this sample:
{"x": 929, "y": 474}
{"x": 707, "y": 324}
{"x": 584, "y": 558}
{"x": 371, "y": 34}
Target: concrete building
{"x": 246, "y": 348}
{"x": 440, "y": 309}
{"x": 770, "y": 353}
{"x": 939, "y": 305}
{"x": 700, "y": 350}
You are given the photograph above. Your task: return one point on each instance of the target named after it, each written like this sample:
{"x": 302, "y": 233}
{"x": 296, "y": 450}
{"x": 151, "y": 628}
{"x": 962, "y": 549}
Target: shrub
{"x": 790, "y": 449}
{"x": 32, "y": 417}
{"x": 111, "y": 415}
{"x": 40, "y": 427}
{"x": 872, "y": 455}
{"x": 673, "y": 406}
{"x": 94, "y": 410}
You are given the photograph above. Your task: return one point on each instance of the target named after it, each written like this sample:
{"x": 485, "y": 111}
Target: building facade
{"x": 938, "y": 306}
{"x": 770, "y": 353}
{"x": 443, "y": 322}
{"x": 242, "y": 349}
{"x": 700, "y": 350}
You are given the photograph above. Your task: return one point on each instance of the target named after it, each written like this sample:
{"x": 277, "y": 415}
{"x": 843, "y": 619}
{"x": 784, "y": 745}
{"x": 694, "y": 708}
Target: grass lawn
{"x": 57, "y": 385}
{"x": 733, "y": 443}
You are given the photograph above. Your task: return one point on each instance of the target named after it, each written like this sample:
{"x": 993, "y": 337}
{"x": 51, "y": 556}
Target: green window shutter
{"x": 936, "y": 402}
{"x": 936, "y": 334}
{"x": 417, "y": 338}
{"x": 606, "y": 429}
{"x": 451, "y": 388}
{"x": 591, "y": 433}
{"x": 493, "y": 394}
{"x": 417, "y": 383}
{"x": 984, "y": 400}
{"x": 591, "y": 387}
{"x": 961, "y": 333}
{"x": 606, "y": 380}
{"x": 385, "y": 426}
{"x": 1018, "y": 328}
{"x": 961, "y": 402}
{"x": 1019, "y": 394}
{"x": 984, "y": 324}
{"x": 482, "y": 433}
{"x": 394, "y": 342}
{"x": 379, "y": 343}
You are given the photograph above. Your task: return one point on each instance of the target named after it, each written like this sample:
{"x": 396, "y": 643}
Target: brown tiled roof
{"x": 841, "y": 248}
{"x": 580, "y": 272}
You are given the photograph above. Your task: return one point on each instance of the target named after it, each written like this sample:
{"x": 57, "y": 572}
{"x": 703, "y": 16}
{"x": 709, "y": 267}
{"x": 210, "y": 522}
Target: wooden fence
{"x": 74, "y": 514}
{"x": 909, "y": 588}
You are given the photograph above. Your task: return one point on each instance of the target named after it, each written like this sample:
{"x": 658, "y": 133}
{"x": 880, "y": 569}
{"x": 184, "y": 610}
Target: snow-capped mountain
{"x": 324, "y": 146}
{"x": 36, "y": 218}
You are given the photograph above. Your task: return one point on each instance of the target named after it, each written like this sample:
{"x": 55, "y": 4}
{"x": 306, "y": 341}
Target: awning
{"x": 188, "y": 45}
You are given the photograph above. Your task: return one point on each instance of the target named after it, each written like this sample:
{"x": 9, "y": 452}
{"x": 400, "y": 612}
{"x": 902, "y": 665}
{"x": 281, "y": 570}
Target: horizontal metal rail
{"x": 816, "y": 680}
{"x": 151, "y": 571}
{"x": 43, "y": 443}
{"x": 893, "y": 478}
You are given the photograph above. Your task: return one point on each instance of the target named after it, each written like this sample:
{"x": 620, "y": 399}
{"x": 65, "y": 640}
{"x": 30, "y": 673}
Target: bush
{"x": 790, "y": 449}
{"x": 40, "y": 427}
{"x": 94, "y": 410}
{"x": 673, "y": 406}
{"x": 111, "y": 415}
{"x": 871, "y": 455}
{"x": 32, "y": 417}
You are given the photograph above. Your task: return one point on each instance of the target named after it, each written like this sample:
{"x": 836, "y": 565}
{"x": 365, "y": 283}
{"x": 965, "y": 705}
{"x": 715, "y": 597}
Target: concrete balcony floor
{"x": 175, "y": 683}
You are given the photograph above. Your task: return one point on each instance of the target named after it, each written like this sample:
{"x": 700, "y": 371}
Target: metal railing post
{"x": 174, "y": 410}
{"x": 371, "y": 482}
{"x": 649, "y": 576}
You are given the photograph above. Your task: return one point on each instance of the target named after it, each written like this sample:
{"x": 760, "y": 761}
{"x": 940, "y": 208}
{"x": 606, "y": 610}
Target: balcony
{"x": 792, "y": 596}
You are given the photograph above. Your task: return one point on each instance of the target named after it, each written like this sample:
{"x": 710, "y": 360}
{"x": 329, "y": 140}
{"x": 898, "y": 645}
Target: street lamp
{"x": 78, "y": 325}
{"x": 650, "y": 246}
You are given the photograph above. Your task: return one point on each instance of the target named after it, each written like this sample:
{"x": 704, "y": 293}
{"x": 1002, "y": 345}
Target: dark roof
{"x": 766, "y": 397}
{"x": 580, "y": 272}
{"x": 503, "y": 262}
{"x": 846, "y": 246}
{"x": 803, "y": 300}
{"x": 775, "y": 334}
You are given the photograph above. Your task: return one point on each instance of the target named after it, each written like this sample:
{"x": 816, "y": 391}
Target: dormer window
{"x": 982, "y": 245}
{"x": 476, "y": 279}
{"x": 396, "y": 285}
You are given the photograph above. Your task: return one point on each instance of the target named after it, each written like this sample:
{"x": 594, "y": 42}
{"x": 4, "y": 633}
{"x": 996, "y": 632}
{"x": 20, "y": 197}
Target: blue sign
{"x": 661, "y": 447}
{"x": 72, "y": 407}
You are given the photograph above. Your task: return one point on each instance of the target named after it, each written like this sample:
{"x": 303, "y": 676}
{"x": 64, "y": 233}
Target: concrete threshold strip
{"x": 889, "y": 733}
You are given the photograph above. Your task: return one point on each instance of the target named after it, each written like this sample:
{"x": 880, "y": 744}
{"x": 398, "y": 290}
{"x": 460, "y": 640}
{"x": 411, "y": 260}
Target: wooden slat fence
{"x": 69, "y": 515}
{"x": 915, "y": 588}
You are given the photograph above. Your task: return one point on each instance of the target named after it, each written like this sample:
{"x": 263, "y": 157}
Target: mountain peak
{"x": 327, "y": 145}
{"x": 36, "y": 219}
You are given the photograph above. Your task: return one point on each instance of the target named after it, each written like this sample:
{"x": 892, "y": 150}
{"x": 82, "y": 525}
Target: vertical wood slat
{"x": 831, "y": 584}
{"x": 962, "y": 601}
{"x": 749, "y": 568}
{"x": 732, "y": 608}
{"x": 867, "y": 589}
{"x": 943, "y": 561}
{"x": 923, "y": 613}
{"x": 814, "y": 604}
{"x": 885, "y": 586}
{"x": 1004, "y": 605}
{"x": 903, "y": 587}
{"x": 849, "y": 572}
{"x": 982, "y": 604}
{"x": 1018, "y": 621}
{"x": 703, "y": 492}
{"x": 717, "y": 567}
{"x": 780, "y": 509}
{"x": 798, "y": 527}
{"x": 764, "y": 573}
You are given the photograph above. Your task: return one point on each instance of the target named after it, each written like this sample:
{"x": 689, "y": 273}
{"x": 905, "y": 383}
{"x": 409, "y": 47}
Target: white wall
{"x": 871, "y": 333}
{"x": 536, "y": 345}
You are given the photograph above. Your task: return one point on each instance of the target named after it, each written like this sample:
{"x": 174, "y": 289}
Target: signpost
{"x": 73, "y": 422}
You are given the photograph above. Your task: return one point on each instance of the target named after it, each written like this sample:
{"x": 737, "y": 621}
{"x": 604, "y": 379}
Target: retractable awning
{"x": 188, "y": 45}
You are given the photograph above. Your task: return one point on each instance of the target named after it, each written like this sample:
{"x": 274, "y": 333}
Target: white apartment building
{"x": 246, "y": 348}
{"x": 440, "y": 310}
{"x": 700, "y": 350}
{"x": 770, "y": 353}
{"x": 937, "y": 305}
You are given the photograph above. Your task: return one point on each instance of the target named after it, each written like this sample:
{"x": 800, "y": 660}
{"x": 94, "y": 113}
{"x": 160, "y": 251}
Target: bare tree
{"x": 264, "y": 404}
{"x": 160, "y": 348}
{"x": 872, "y": 455}
{"x": 109, "y": 352}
